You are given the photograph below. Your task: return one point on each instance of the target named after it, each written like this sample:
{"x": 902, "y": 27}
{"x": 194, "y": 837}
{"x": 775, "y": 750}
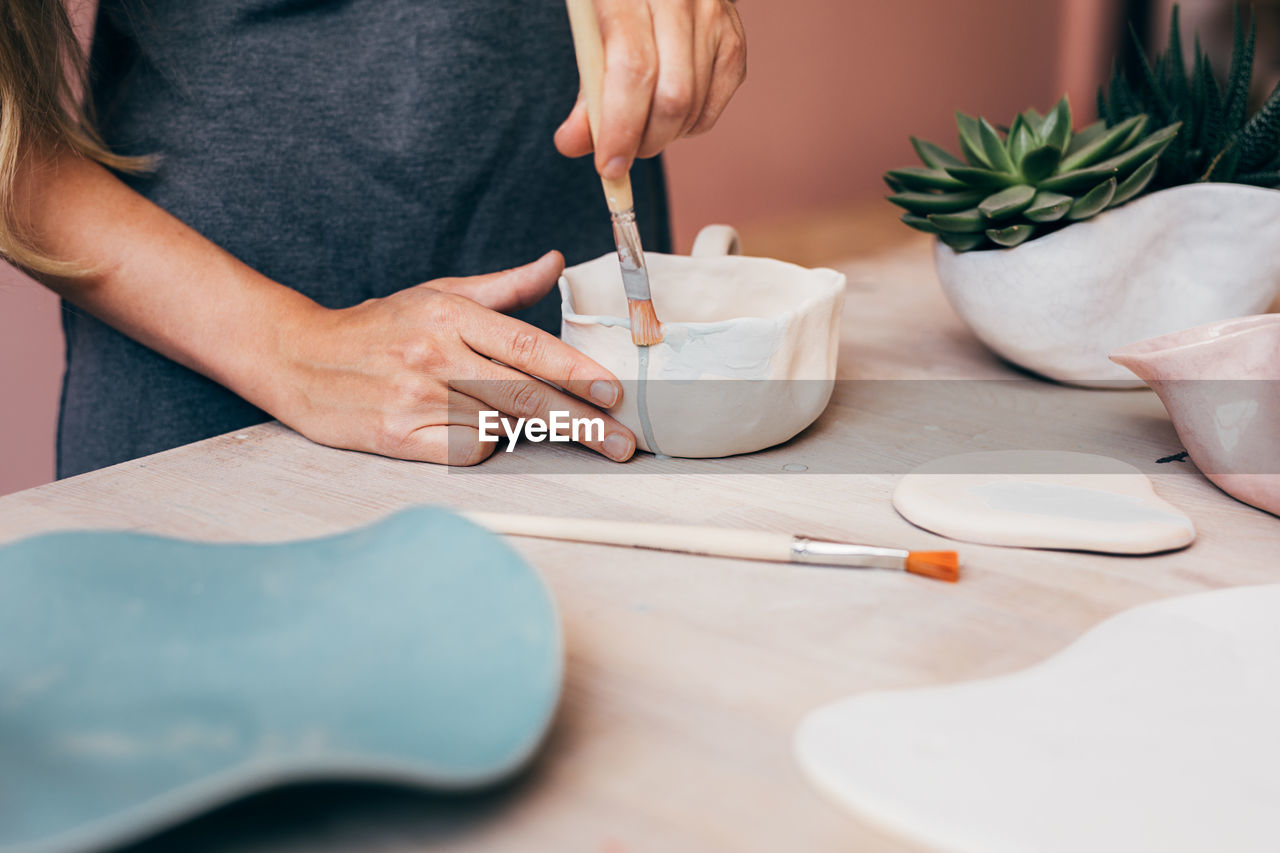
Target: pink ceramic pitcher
{"x": 1221, "y": 386}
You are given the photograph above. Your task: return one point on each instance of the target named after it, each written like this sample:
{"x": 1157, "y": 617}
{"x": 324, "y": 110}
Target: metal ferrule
{"x": 817, "y": 552}
{"x": 635, "y": 277}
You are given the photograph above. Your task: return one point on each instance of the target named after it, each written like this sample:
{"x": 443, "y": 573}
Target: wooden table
{"x": 687, "y": 676}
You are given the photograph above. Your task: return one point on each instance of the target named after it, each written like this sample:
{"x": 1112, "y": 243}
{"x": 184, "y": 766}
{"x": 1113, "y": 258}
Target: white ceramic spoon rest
{"x": 1155, "y": 731}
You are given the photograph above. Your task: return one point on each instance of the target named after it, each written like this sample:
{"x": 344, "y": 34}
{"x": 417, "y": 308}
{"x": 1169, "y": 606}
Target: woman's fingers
{"x": 728, "y": 70}
{"x": 534, "y": 352}
{"x": 509, "y": 290}
{"x": 453, "y": 439}
{"x": 476, "y": 384}
{"x": 410, "y": 375}
{"x": 464, "y": 410}
{"x": 670, "y": 69}
{"x": 573, "y": 138}
{"x": 705, "y": 43}
{"x": 446, "y": 444}
{"x": 520, "y": 396}
{"x": 630, "y": 75}
{"x": 673, "y": 96}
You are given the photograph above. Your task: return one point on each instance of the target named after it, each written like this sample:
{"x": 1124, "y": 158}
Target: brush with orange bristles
{"x": 724, "y": 542}
{"x": 645, "y": 328}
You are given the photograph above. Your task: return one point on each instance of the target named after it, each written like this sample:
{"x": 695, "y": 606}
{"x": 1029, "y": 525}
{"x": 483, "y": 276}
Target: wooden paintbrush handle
{"x": 685, "y": 539}
{"x": 589, "y": 47}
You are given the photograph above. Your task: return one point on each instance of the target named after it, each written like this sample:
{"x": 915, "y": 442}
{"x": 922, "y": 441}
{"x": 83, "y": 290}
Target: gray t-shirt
{"x": 346, "y": 148}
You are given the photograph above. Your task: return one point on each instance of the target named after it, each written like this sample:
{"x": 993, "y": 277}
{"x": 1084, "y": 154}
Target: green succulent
{"x": 1036, "y": 177}
{"x": 1220, "y": 140}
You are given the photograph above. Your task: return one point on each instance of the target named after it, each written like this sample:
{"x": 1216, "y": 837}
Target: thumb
{"x": 509, "y": 290}
{"x": 573, "y": 138}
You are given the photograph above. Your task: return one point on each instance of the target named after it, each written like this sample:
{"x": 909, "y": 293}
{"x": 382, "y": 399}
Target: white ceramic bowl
{"x": 1059, "y": 305}
{"x": 749, "y": 355}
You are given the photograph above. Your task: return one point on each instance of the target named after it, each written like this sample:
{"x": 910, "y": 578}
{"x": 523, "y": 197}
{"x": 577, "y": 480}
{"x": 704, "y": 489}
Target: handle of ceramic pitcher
{"x": 715, "y": 241}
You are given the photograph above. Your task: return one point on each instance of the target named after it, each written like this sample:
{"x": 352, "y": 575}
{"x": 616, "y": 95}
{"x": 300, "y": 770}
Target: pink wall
{"x": 834, "y": 89}
{"x": 30, "y": 370}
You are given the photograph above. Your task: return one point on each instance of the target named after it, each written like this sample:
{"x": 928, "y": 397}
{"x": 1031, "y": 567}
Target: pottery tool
{"x": 645, "y": 328}
{"x": 759, "y": 545}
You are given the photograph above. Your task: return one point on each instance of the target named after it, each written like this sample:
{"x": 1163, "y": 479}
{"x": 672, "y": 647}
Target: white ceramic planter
{"x": 1060, "y": 304}
{"x": 749, "y": 355}
{"x": 1221, "y": 386}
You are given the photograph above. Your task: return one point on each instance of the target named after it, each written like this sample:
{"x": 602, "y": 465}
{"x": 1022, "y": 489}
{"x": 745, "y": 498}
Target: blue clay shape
{"x": 144, "y": 680}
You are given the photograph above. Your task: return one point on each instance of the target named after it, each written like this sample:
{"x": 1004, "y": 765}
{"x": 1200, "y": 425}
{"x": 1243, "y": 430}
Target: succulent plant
{"x": 1220, "y": 141}
{"x": 1036, "y": 177}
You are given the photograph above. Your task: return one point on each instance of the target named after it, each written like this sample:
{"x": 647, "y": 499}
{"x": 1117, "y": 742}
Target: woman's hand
{"x": 403, "y": 376}
{"x": 407, "y": 375}
{"x": 671, "y": 67}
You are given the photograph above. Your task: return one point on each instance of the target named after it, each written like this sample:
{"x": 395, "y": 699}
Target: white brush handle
{"x": 686, "y": 539}
{"x": 589, "y": 49}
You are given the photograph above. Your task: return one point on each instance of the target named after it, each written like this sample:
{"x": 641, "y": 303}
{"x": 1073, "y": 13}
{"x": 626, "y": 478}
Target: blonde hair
{"x": 42, "y": 73}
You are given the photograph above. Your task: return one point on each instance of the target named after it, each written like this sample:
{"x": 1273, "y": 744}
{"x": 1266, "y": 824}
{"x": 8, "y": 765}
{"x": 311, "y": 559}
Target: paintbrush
{"x": 723, "y": 542}
{"x": 645, "y": 328}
